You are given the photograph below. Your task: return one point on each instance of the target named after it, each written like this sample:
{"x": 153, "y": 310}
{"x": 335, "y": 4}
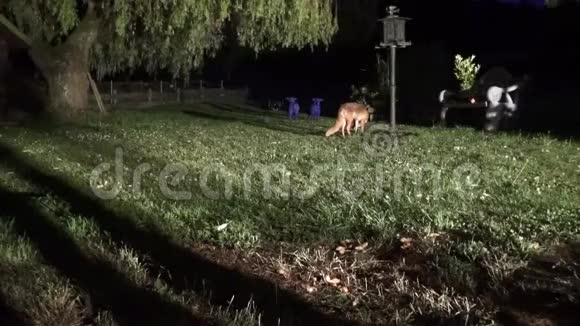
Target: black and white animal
{"x": 497, "y": 96}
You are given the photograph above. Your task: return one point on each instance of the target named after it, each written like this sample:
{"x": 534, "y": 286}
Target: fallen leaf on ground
{"x": 346, "y": 243}
{"x": 310, "y": 289}
{"x": 362, "y": 246}
{"x": 434, "y": 235}
{"x": 222, "y": 227}
{"x": 331, "y": 281}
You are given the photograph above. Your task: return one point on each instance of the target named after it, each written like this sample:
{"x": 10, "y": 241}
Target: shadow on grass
{"x": 188, "y": 270}
{"x": 274, "y": 122}
{"x": 104, "y": 287}
{"x": 281, "y": 120}
{"x": 9, "y": 316}
{"x": 547, "y": 288}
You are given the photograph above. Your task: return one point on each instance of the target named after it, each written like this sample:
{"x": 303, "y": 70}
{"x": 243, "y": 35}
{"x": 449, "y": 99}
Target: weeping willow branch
{"x": 171, "y": 35}
{"x": 14, "y": 30}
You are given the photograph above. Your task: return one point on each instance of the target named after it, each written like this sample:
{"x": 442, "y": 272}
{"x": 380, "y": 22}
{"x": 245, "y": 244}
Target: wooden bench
{"x": 496, "y": 102}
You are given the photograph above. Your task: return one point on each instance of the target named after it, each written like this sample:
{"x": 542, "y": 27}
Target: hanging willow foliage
{"x": 175, "y": 34}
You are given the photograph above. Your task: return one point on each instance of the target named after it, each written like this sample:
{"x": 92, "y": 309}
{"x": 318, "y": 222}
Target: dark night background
{"x": 522, "y": 36}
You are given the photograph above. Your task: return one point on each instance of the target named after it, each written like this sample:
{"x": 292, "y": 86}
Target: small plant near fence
{"x": 466, "y": 71}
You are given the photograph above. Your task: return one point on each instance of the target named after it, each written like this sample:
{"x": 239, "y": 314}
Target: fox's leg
{"x": 356, "y": 126}
{"x": 348, "y": 126}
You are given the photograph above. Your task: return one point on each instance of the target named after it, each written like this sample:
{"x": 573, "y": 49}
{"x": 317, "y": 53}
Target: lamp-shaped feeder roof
{"x": 394, "y": 29}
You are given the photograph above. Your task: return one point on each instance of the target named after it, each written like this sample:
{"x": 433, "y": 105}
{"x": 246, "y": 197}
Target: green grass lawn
{"x": 233, "y": 215}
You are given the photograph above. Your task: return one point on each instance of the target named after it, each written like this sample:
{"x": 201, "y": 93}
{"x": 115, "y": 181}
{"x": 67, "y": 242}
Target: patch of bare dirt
{"x": 547, "y": 291}
{"x": 415, "y": 280}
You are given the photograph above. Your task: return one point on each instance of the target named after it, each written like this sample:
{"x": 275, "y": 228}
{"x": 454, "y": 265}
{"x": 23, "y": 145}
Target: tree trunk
{"x": 66, "y": 68}
{"x": 67, "y": 89}
{"x": 3, "y": 69}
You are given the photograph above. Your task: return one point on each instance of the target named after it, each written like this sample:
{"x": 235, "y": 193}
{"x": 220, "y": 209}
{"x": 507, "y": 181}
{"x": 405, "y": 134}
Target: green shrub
{"x": 466, "y": 71}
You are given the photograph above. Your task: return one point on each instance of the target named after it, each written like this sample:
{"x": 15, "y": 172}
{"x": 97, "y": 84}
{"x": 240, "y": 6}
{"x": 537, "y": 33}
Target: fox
{"x": 349, "y": 112}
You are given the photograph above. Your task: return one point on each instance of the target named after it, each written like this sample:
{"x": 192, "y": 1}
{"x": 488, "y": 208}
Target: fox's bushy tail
{"x": 334, "y": 129}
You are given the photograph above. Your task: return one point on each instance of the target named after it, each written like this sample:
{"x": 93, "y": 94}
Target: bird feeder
{"x": 394, "y": 29}
{"x": 393, "y": 38}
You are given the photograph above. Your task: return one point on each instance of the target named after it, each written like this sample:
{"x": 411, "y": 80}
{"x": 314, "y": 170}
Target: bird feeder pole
{"x": 393, "y": 86}
{"x": 393, "y": 37}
